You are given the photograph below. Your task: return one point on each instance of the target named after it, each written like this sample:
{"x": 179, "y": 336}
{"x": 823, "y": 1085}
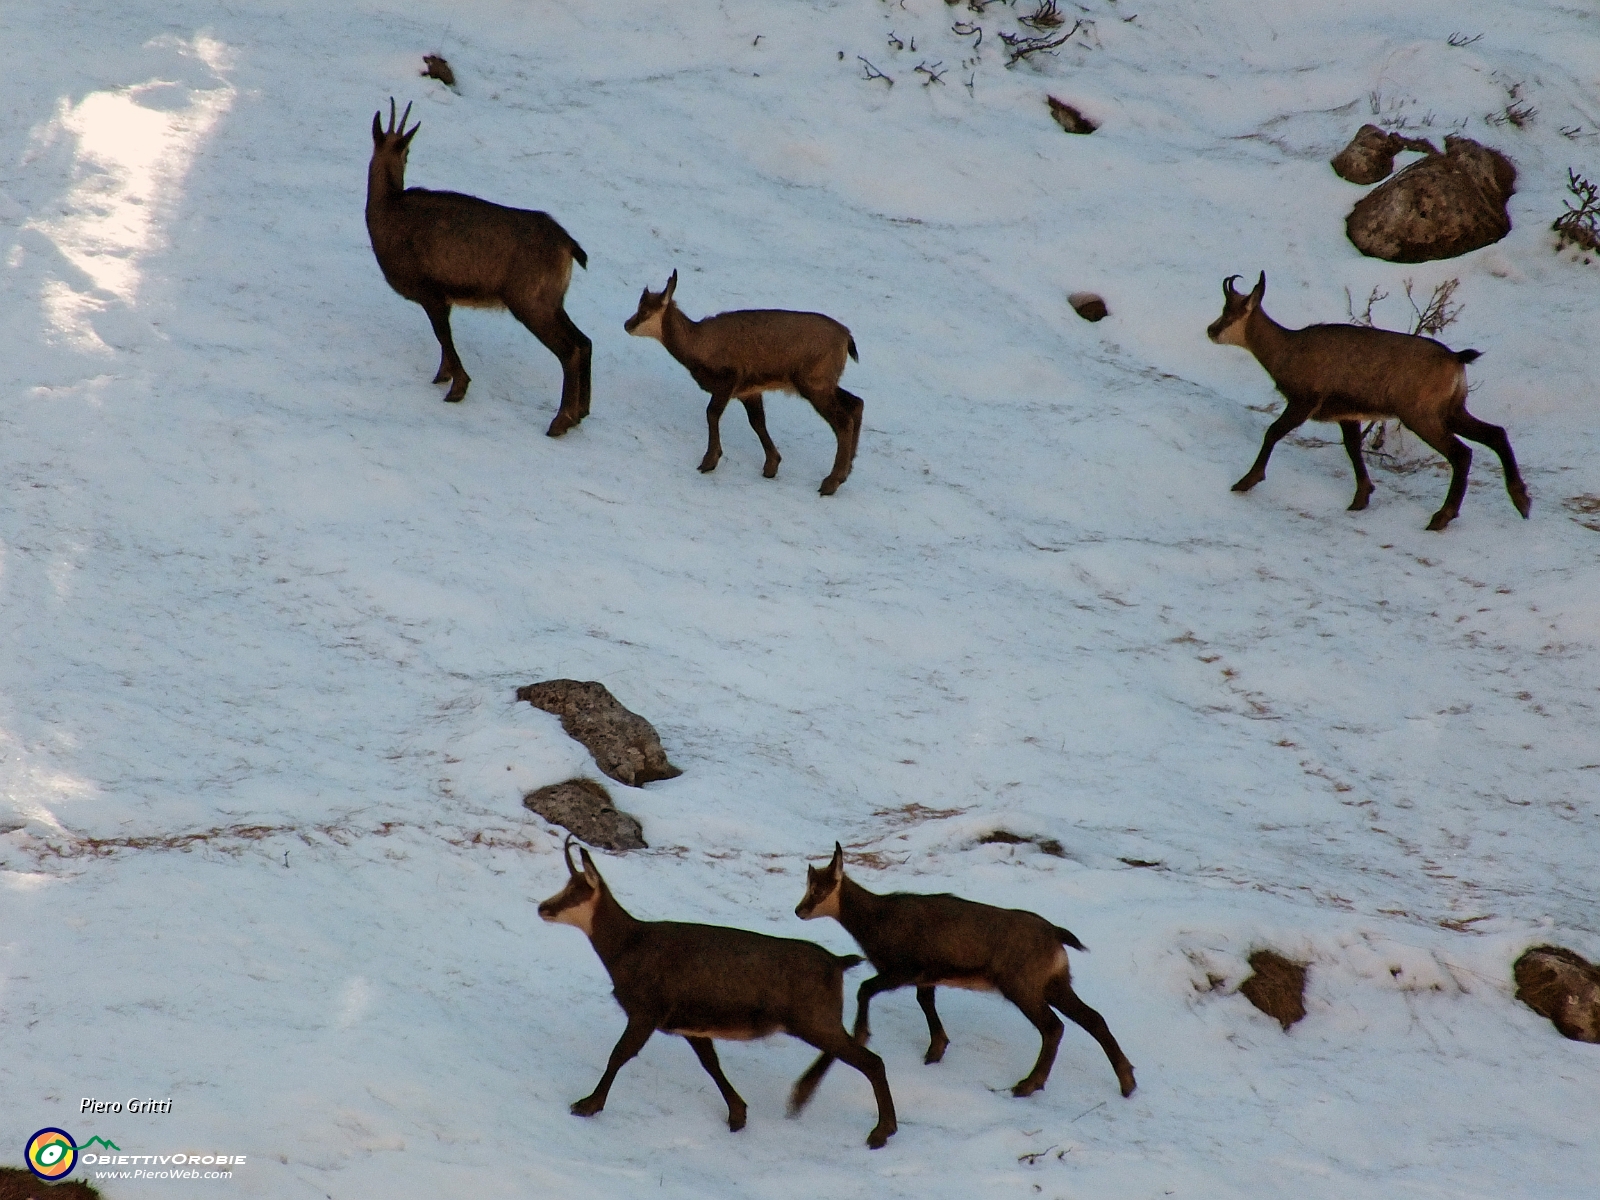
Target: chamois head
{"x": 652, "y": 311}
{"x": 1228, "y": 329}
{"x": 822, "y": 888}
{"x": 575, "y": 903}
{"x": 390, "y": 146}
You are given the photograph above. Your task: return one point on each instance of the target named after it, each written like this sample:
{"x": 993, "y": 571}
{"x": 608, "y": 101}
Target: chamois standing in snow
{"x": 443, "y": 248}
{"x": 708, "y": 981}
{"x": 740, "y": 355}
{"x": 1352, "y": 373}
{"x": 945, "y": 941}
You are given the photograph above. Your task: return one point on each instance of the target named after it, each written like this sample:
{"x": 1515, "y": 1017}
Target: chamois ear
{"x": 1259, "y": 290}
{"x": 405, "y": 140}
{"x": 672, "y": 286}
{"x": 836, "y": 867}
{"x": 590, "y": 875}
{"x": 377, "y": 128}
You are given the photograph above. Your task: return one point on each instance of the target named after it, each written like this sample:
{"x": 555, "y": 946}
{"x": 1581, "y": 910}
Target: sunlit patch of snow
{"x": 134, "y": 148}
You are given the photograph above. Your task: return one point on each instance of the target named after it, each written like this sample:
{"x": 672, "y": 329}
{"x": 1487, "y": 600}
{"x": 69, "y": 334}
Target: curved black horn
{"x": 566, "y": 853}
{"x": 1227, "y": 286}
{"x": 404, "y": 116}
{"x": 391, "y": 115}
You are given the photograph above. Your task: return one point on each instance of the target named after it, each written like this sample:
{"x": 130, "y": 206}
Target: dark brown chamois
{"x": 740, "y": 355}
{"x": 1353, "y": 373}
{"x": 945, "y": 941}
{"x": 443, "y": 248}
{"x": 707, "y": 981}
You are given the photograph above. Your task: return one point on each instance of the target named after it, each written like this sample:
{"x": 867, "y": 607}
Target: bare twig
{"x": 1460, "y": 39}
{"x": 1045, "y": 16}
{"x": 1021, "y": 47}
{"x": 968, "y": 29}
{"x": 931, "y": 70}
{"x": 895, "y": 42}
{"x": 1032, "y": 1159}
{"x": 1365, "y": 317}
{"x": 1439, "y": 313}
{"x": 874, "y": 73}
{"x": 1580, "y": 224}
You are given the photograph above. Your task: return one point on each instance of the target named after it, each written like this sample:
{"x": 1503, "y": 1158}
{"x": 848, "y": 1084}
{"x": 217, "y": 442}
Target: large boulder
{"x": 624, "y": 744}
{"x": 1563, "y": 986}
{"x": 1439, "y": 207}
{"x": 1370, "y": 155}
{"x": 584, "y": 809}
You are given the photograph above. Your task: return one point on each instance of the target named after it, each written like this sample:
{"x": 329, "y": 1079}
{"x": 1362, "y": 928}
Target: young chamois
{"x": 1353, "y": 373}
{"x": 707, "y": 981}
{"x": 740, "y": 355}
{"x": 443, "y": 248}
{"x": 943, "y": 940}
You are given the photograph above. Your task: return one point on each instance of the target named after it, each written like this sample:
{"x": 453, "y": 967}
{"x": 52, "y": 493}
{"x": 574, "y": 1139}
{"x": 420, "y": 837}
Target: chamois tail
{"x": 853, "y": 353}
{"x": 1067, "y": 938}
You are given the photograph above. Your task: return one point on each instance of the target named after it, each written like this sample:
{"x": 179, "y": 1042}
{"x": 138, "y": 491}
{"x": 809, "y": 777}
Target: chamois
{"x": 708, "y": 981}
{"x": 1353, "y": 373}
{"x": 740, "y": 355}
{"x": 444, "y": 248}
{"x": 943, "y": 940}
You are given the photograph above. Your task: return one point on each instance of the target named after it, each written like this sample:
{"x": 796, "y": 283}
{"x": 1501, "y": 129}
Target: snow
{"x": 267, "y": 599}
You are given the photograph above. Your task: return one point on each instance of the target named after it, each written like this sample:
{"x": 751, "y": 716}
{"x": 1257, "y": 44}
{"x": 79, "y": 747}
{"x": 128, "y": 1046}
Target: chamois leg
{"x": 1492, "y": 436}
{"x": 1075, "y": 1010}
{"x": 837, "y": 413}
{"x": 1352, "y": 447}
{"x": 937, "y": 1041}
{"x": 755, "y": 408}
{"x": 800, "y": 1094}
{"x": 449, "y": 361}
{"x": 1037, "y": 1010}
{"x": 707, "y": 1054}
{"x": 572, "y": 349}
{"x": 832, "y": 1040}
{"x": 1293, "y": 417}
{"x": 864, "y": 995}
{"x": 714, "y": 411}
{"x": 857, "y": 407}
{"x": 630, "y": 1043}
{"x": 1454, "y": 449}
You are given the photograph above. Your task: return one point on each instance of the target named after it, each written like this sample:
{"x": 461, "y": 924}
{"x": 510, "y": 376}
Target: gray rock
{"x": 1563, "y": 986}
{"x": 1370, "y": 155}
{"x": 1069, "y": 118}
{"x": 584, "y": 809}
{"x": 624, "y": 744}
{"x": 1440, "y": 207}
{"x": 1088, "y": 306}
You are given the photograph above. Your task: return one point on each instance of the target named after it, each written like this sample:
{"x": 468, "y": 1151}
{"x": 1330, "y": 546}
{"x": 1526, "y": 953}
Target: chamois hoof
{"x": 707, "y": 465}
{"x": 1027, "y": 1088}
{"x": 1440, "y": 520}
{"x": 735, "y": 1120}
{"x": 442, "y": 377}
{"x": 935, "y": 1053}
{"x": 879, "y": 1137}
{"x": 587, "y": 1107}
{"x": 1524, "y": 505}
{"x": 1359, "y": 504}
{"x": 1125, "y": 1078}
{"x": 830, "y": 485}
{"x": 1245, "y": 484}
{"x": 770, "y": 471}
{"x": 560, "y": 425}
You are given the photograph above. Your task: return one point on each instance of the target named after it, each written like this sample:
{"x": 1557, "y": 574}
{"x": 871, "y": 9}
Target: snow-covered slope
{"x": 266, "y": 599}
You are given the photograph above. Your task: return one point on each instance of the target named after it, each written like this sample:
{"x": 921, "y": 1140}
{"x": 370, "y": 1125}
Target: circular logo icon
{"x": 52, "y": 1154}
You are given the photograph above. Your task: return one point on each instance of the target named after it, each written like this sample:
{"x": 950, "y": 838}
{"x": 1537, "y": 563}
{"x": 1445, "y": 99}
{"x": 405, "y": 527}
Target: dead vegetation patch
{"x": 1277, "y": 988}
{"x": 1005, "y": 837}
{"x": 18, "y": 1183}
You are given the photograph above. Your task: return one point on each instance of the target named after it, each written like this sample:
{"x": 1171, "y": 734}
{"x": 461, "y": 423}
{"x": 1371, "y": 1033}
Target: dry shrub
{"x": 1278, "y": 987}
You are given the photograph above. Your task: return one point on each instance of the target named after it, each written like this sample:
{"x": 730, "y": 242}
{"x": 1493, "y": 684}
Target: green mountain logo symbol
{"x": 100, "y": 1141}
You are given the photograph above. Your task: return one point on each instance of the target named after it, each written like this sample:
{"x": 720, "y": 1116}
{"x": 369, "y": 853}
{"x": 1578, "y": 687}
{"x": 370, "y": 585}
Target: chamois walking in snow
{"x": 740, "y": 355}
{"x": 443, "y": 248}
{"x": 1352, "y": 373}
{"x": 708, "y": 981}
{"x": 945, "y": 941}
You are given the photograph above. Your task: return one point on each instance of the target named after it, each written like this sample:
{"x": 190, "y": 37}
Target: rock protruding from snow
{"x": 1370, "y": 155}
{"x": 15, "y": 1182}
{"x": 1069, "y": 118}
{"x": 584, "y": 809}
{"x": 1439, "y": 207}
{"x": 1278, "y": 987}
{"x": 1564, "y": 986}
{"x": 625, "y": 746}
{"x": 1089, "y": 306}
